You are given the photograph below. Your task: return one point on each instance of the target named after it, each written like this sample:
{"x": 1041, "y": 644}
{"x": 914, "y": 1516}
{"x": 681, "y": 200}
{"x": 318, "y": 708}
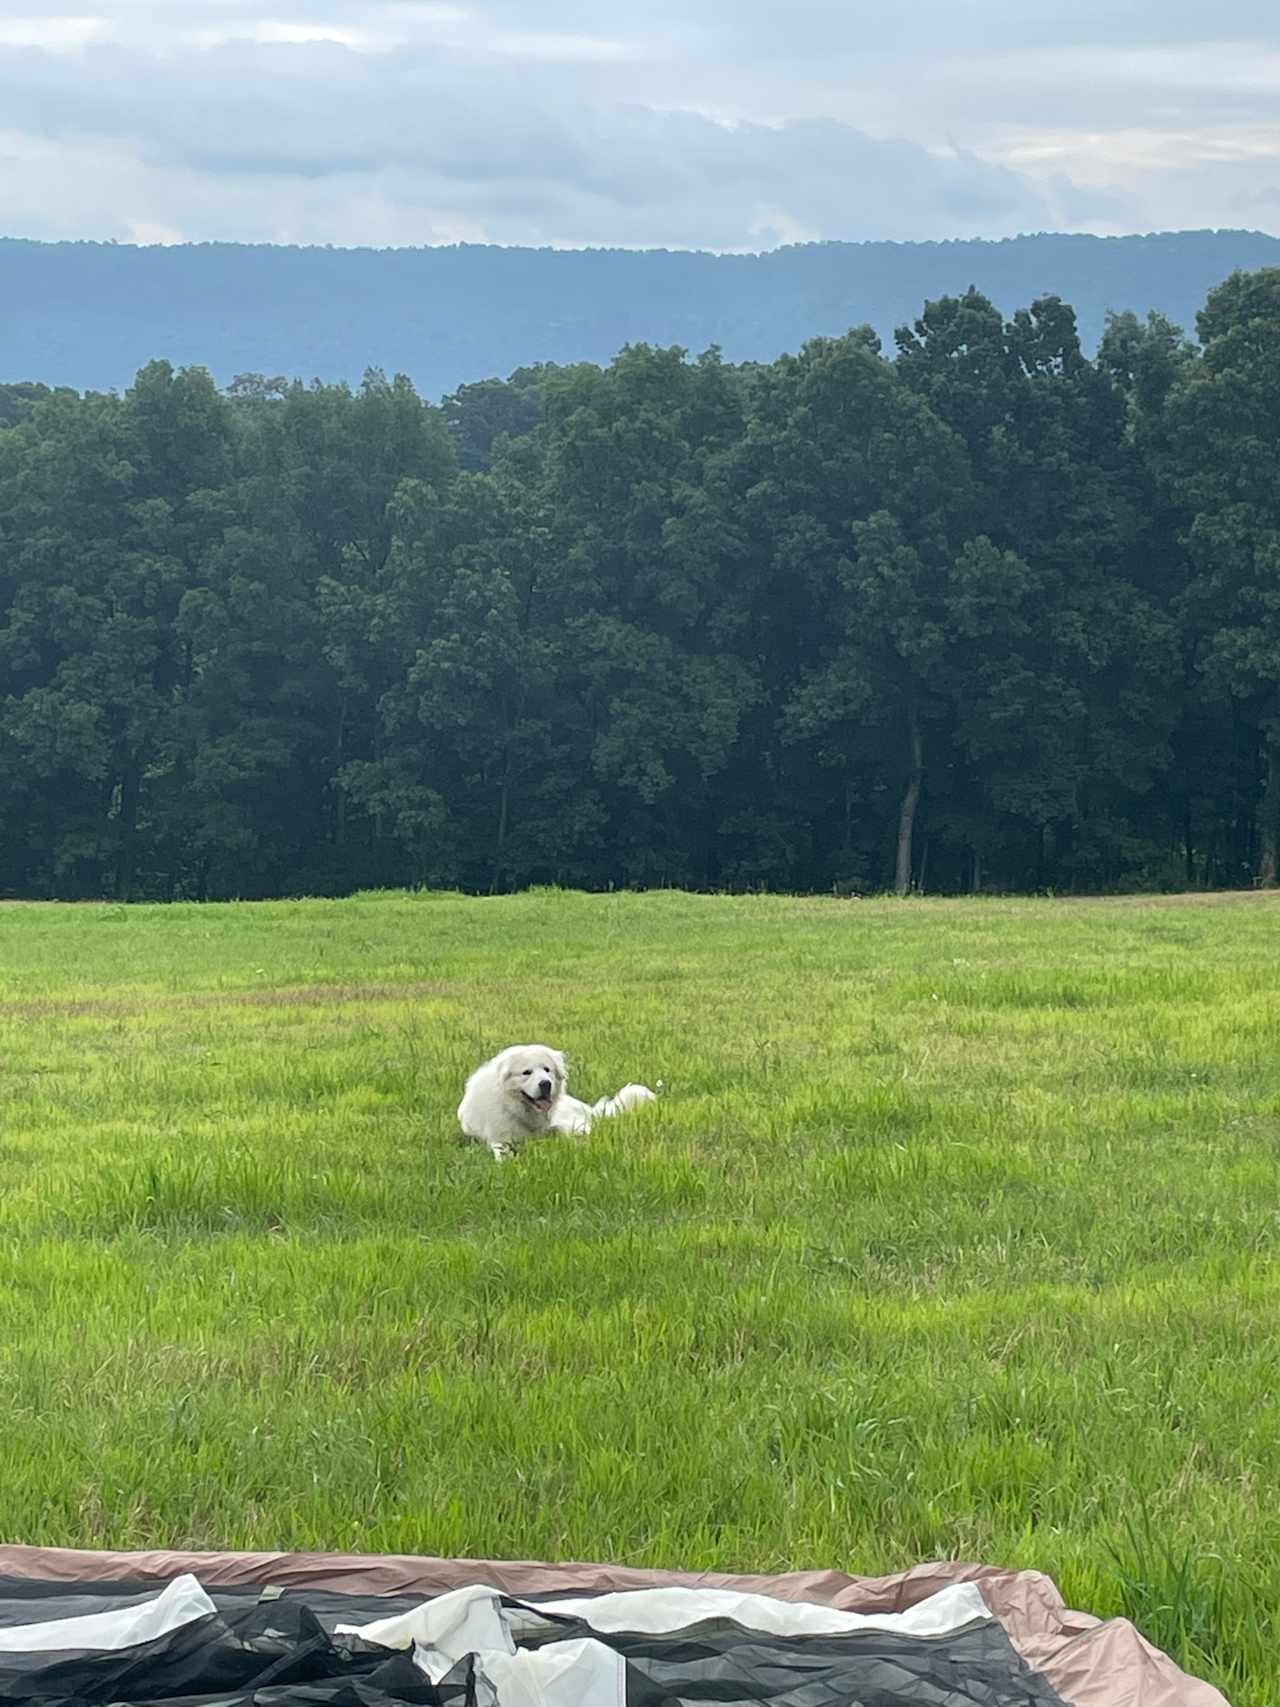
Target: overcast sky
{"x": 722, "y": 124}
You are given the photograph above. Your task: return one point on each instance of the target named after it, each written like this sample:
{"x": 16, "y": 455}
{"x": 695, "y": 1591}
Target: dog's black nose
{"x": 544, "y": 1087}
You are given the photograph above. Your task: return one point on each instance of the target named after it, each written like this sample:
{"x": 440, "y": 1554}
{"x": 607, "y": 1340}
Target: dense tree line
{"x": 984, "y": 612}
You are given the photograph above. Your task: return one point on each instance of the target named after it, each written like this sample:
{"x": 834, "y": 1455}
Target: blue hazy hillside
{"x": 89, "y": 314}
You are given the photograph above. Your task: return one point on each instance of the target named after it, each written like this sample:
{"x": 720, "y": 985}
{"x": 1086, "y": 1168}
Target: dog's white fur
{"x": 521, "y": 1094}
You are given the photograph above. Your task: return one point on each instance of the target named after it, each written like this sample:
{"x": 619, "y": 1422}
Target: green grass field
{"x": 956, "y": 1232}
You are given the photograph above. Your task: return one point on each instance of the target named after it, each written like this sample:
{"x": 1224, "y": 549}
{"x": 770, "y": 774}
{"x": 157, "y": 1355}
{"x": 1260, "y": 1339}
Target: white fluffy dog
{"x": 521, "y": 1094}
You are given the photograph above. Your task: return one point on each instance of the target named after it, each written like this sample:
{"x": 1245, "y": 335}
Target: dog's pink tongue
{"x": 544, "y": 1103}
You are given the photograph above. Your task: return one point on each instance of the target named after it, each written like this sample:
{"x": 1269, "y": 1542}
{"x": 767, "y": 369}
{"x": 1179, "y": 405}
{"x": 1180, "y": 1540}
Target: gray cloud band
{"x": 476, "y": 127}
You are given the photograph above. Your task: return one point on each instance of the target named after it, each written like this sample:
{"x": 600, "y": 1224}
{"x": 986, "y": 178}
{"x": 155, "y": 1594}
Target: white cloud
{"x": 553, "y": 45}
{"x": 732, "y": 123}
{"x": 367, "y": 29}
{"x": 54, "y": 34}
{"x": 278, "y": 30}
{"x": 146, "y": 233}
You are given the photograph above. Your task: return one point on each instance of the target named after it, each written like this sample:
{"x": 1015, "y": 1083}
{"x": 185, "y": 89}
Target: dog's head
{"x": 532, "y": 1074}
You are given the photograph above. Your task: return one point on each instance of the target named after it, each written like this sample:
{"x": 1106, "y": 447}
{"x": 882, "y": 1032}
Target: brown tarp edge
{"x": 1087, "y": 1662}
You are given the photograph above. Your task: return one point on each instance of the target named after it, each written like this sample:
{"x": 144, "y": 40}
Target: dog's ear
{"x": 504, "y": 1058}
{"x": 559, "y": 1060}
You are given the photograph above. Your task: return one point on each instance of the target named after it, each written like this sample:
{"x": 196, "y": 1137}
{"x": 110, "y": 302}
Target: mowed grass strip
{"x": 956, "y": 1232}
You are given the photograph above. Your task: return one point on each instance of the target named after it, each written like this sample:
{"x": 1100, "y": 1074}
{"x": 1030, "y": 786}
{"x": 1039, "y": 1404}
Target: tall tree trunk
{"x": 1269, "y": 854}
{"x": 910, "y": 800}
{"x": 976, "y": 884}
{"x": 504, "y": 812}
{"x": 130, "y": 787}
{"x": 340, "y": 793}
{"x": 504, "y": 800}
{"x": 1188, "y": 845}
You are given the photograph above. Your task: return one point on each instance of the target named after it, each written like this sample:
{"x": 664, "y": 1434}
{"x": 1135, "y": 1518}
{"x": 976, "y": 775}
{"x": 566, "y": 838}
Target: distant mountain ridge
{"x": 89, "y": 315}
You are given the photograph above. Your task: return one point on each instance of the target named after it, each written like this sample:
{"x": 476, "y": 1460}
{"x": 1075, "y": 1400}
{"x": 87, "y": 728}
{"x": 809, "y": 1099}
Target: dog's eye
{"x": 526, "y": 1072}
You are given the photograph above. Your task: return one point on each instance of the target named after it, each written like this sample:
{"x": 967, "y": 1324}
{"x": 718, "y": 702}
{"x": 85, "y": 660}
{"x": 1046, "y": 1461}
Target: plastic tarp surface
{"x": 230, "y": 1630}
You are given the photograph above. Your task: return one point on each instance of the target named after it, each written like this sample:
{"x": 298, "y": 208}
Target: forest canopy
{"x": 980, "y": 610}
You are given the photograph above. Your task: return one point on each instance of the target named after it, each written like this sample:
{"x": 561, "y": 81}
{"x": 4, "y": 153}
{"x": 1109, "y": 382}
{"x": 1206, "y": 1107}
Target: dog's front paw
{"x": 502, "y": 1152}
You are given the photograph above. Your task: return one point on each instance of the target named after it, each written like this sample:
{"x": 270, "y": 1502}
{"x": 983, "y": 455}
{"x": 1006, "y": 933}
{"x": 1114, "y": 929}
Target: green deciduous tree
{"x": 1223, "y": 463}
